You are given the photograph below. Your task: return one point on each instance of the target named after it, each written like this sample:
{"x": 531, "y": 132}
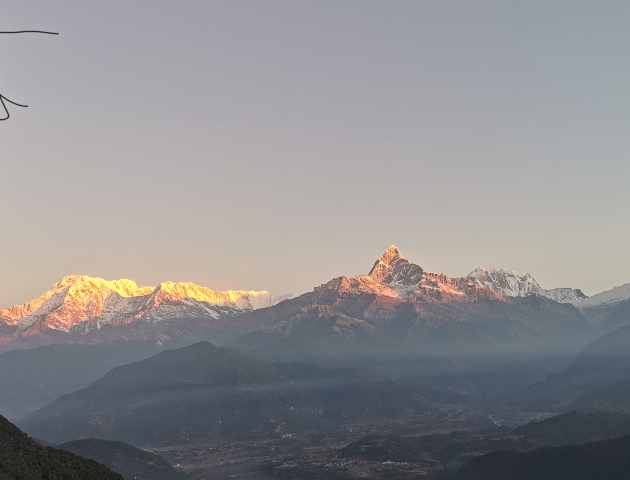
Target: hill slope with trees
{"x": 21, "y": 458}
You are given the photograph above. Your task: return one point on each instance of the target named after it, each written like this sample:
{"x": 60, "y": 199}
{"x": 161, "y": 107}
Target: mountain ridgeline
{"x": 195, "y": 392}
{"x": 203, "y": 391}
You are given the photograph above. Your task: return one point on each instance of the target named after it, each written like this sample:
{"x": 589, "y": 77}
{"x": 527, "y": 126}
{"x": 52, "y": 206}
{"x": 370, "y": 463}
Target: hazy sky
{"x": 278, "y": 144}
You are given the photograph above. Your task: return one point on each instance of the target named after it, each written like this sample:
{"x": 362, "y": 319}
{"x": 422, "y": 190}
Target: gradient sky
{"x": 274, "y": 145}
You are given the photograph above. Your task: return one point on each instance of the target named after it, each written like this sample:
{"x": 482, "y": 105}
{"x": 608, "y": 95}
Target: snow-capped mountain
{"x": 575, "y": 296}
{"x": 609, "y": 297}
{"x": 85, "y": 309}
{"x": 398, "y": 311}
{"x": 393, "y": 276}
{"x": 513, "y": 283}
{"x": 506, "y": 282}
{"x": 399, "y": 308}
{"x": 80, "y": 303}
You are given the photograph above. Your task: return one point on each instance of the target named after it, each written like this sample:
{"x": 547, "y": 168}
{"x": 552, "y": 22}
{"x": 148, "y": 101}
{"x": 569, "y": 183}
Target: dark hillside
{"x": 21, "y": 458}
{"x": 614, "y": 397}
{"x": 608, "y": 459}
{"x": 601, "y": 364}
{"x": 577, "y": 427}
{"x": 618, "y": 317}
{"x": 177, "y": 396}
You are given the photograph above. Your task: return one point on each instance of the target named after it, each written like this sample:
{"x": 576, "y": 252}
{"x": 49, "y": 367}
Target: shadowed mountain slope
{"x": 603, "y": 363}
{"x": 577, "y": 427}
{"x": 177, "y": 396}
{"x": 607, "y": 459}
{"x": 618, "y": 317}
{"x": 614, "y": 397}
{"x": 348, "y": 394}
{"x": 204, "y": 392}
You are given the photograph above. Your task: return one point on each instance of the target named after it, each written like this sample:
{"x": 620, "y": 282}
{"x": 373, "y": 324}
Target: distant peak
{"x": 70, "y": 280}
{"x": 479, "y": 271}
{"x": 392, "y": 253}
{"x": 381, "y": 266}
{"x": 514, "y": 283}
{"x": 83, "y": 280}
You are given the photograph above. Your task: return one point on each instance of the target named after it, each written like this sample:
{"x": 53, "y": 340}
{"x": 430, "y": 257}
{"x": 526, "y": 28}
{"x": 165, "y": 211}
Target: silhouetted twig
{"x": 33, "y": 31}
{"x": 3, "y": 98}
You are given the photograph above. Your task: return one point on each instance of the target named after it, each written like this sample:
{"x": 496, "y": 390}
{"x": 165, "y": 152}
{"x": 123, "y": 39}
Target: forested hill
{"x": 24, "y": 459}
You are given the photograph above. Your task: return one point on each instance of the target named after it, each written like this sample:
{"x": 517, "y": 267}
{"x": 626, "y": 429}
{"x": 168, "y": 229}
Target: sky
{"x": 274, "y": 145}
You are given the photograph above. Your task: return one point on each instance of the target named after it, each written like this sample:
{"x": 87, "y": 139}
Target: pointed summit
{"x": 392, "y": 275}
{"x": 391, "y": 255}
{"x": 388, "y": 261}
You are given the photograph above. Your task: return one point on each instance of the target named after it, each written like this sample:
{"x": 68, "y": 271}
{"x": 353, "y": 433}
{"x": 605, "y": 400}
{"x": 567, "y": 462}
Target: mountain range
{"x": 84, "y": 309}
{"x": 436, "y": 331}
{"x": 79, "y": 308}
{"x": 476, "y": 334}
{"x": 399, "y": 350}
{"x": 445, "y": 332}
